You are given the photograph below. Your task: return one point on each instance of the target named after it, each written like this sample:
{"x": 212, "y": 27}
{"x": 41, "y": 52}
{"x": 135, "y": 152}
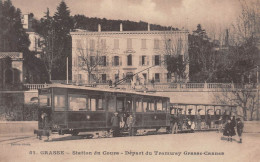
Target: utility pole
{"x": 257, "y": 86}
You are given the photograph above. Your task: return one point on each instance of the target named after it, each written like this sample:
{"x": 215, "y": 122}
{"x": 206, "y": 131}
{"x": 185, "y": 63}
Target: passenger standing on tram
{"x": 115, "y": 124}
{"x": 180, "y": 119}
{"x": 130, "y": 122}
{"x": 198, "y": 121}
{"x": 208, "y": 120}
{"x": 174, "y": 124}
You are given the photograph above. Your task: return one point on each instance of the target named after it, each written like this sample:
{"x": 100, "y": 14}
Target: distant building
{"x": 124, "y": 53}
{"x": 11, "y": 68}
{"x": 35, "y": 38}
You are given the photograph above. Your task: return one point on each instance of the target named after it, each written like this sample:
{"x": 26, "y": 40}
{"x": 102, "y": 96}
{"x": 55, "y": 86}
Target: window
{"x": 103, "y": 44}
{"x": 157, "y": 60}
{"x": 156, "y": 43}
{"x": 146, "y": 106}
{"x": 143, "y": 44}
{"x": 111, "y": 104}
{"x": 116, "y": 60}
{"x": 151, "y": 108}
{"x": 120, "y": 105}
{"x": 77, "y": 103}
{"x": 169, "y": 44}
{"x": 104, "y": 78}
{"x": 157, "y": 77}
{"x": 129, "y": 43}
{"x": 129, "y": 60}
{"x": 92, "y": 45}
{"x": 95, "y": 104}
{"x": 159, "y": 105}
{"x": 103, "y": 61}
{"x": 45, "y": 100}
{"x": 92, "y": 60}
{"x": 92, "y": 104}
{"x": 116, "y": 43}
{"x": 144, "y": 60}
{"x": 59, "y": 102}
{"x": 139, "y": 106}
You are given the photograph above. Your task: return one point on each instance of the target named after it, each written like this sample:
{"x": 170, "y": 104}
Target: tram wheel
{"x": 74, "y": 133}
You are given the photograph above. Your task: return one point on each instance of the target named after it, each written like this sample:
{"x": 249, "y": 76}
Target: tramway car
{"x": 70, "y": 109}
{"x": 205, "y": 116}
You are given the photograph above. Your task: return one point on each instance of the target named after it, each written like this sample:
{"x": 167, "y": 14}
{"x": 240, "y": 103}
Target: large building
{"x": 35, "y": 38}
{"x": 113, "y": 55}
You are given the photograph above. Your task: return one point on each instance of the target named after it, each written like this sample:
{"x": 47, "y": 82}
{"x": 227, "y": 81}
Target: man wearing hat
{"x": 115, "y": 124}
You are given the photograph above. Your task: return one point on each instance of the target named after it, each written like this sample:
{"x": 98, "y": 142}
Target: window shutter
{"x": 120, "y": 60}
{"x": 140, "y": 60}
{"x": 160, "y": 60}
{"x": 107, "y": 60}
{"x": 112, "y": 60}
{"x": 147, "y": 60}
{"x": 153, "y": 59}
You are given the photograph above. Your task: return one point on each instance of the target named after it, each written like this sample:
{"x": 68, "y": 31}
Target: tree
{"x": 175, "y": 55}
{"x": 244, "y": 97}
{"x": 62, "y": 24}
{"x": 90, "y": 60}
{"x": 13, "y": 36}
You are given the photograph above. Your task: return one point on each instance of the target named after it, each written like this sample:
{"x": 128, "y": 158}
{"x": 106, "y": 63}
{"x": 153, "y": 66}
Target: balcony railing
{"x": 36, "y": 86}
{"x": 157, "y": 86}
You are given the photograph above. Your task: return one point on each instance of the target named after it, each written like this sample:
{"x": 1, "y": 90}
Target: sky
{"x": 211, "y": 14}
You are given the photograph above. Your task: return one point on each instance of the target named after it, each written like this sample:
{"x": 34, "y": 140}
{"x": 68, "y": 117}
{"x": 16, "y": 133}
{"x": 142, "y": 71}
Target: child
{"x": 240, "y": 127}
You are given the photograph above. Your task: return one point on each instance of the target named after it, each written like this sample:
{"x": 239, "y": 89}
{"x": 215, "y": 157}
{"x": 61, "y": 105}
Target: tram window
{"x": 92, "y": 106}
{"x": 111, "y": 105}
{"x": 59, "y": 102}
{"x": 159, "y": 105}
{"x": 146, "y": 106}
{"x": 151, "y": 106}
{"x": 77, "y": 103}
{"x": 100, "y": 104}
{"x": 139, "y": 106}
{"x": 119, "y": 105}
{"x": 45, "y": 100}
{"x": 164, "y": 105}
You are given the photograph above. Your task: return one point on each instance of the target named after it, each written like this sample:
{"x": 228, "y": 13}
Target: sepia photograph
{"x": 129, "y": 80}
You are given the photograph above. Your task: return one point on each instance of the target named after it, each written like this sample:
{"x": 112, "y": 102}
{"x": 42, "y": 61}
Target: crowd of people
{"x": 124, "y": 122}
{"x": 229, "y": 129}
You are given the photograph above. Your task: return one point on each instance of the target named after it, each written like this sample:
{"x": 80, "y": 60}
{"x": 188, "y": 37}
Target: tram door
{"x": 124, "y": 105}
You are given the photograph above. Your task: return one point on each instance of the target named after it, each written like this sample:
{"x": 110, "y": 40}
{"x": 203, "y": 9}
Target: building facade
{"x": 35, "y": 38}
{"x": 11, "y": 69}
{"x": 104, "y": 56}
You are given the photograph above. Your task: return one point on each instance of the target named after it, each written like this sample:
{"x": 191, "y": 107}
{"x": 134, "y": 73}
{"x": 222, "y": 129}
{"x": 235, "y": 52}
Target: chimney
{"x": 148, "y": 27}
{"x": 121, "y": 27}
{"x": 99, "y": 28}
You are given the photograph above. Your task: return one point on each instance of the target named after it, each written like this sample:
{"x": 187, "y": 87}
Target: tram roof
{"x": 113, "y": 90}
{"x": 198, "y": 104}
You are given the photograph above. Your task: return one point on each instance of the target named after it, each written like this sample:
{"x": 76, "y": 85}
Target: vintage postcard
{"x": 129, "y": 80}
